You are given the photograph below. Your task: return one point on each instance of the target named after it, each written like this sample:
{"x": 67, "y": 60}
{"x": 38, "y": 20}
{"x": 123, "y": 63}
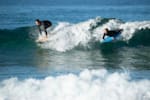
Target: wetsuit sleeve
{"x": 47, "y": 24}
{"x": 104, "y": 35}
{"x": 39, "y": 29}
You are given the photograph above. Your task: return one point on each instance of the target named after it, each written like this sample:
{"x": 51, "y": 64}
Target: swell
{"x": 84, "y": 35}
{"x": 141, "y": 37}
{"x": 16, "y": 37}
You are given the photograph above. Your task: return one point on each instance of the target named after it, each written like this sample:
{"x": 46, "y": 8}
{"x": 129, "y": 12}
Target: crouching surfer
{"x": 43, "y": 25}
{"x": 112, "y": 33}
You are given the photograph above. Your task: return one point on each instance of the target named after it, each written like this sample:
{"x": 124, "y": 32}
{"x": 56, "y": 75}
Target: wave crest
{"x": 66, "y": 36}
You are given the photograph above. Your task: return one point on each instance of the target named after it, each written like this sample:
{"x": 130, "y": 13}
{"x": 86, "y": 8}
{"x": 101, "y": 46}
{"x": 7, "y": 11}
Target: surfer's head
{"x": 106, "y": 30}
{"x": 37, "y": 22}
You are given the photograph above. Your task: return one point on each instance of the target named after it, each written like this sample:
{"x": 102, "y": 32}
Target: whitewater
{"x": 66, "y": 36}
{"x": 87, "y": 85}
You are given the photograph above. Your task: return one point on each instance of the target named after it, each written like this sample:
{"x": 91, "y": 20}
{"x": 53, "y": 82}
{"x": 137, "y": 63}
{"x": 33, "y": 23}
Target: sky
{"x": 74, "y": 2}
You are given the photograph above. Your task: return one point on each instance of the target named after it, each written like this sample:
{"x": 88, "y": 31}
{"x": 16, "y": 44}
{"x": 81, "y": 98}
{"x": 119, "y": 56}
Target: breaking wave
{"x": 66, "y": 36}
{"x": 88, "y": 85}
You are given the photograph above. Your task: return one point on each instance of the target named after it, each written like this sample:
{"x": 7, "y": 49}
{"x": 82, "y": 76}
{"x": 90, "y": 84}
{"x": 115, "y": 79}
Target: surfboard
{"x": 42, "y": 38}
{"x": 110, "y": 38}
{"x": 107, "y": 39}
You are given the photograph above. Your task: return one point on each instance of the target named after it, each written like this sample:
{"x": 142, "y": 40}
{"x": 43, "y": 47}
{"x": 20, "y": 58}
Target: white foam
{"x": 88, "y": 85}
{"x": 65, "y": 36}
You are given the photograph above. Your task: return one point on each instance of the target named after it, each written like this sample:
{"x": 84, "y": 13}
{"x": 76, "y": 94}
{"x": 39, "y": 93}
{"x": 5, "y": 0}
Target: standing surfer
{"x": 43, "y": 25}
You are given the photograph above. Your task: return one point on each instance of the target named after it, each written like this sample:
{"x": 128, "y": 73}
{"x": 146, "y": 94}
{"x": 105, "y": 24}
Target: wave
{"x": 66, "y": 36}
{"x": 100, "y": 84}
{"x": 16, "y": 37}
{"x": 85, "y": 35}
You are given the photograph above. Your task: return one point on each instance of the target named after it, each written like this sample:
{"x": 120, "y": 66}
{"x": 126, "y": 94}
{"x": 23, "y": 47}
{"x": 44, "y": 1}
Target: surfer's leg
{"x": 45, "y": 27}
{"x": 46, "y": 33}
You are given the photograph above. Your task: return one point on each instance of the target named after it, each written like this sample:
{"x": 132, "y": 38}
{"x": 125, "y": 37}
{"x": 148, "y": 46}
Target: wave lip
{"x": 88, "y": 85}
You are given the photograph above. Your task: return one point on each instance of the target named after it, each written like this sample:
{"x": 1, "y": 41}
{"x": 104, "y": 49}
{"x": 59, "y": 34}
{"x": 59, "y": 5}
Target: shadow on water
{"x": 111, "y": 47}
{"x": 111, "y": 59}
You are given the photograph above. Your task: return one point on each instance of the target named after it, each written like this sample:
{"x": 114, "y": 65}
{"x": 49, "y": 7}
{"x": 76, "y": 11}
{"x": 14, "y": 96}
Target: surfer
{"x": 112, "y": 33}
{"x": 43, "y": 25}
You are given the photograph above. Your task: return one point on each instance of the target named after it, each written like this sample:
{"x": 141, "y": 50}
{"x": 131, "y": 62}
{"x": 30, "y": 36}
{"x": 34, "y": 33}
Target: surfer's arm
{"x": 39, "y": 29}
{"x": 104, "y": 35}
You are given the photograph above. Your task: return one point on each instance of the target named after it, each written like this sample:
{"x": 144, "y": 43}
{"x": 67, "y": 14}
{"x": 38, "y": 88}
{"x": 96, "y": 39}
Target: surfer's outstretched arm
{"x": 104, "y": 35}
{"x": 38, "y": 23}
{"x": 105, "y": 32}
{"x": 39, "y": 29}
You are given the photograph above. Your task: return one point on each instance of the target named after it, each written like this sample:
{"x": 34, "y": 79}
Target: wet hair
{"x": 37, "y": 20}
{"x": 106, "y": 29}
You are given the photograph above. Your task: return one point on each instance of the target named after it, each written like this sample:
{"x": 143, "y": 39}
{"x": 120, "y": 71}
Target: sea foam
{"x": 88, "y": 85}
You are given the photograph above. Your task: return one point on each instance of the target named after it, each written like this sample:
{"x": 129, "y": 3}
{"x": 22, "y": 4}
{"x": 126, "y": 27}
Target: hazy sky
{"x": 74, "y": 2}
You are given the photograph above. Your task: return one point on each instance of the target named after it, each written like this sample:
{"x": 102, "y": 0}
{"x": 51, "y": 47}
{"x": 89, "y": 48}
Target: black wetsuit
{"x": 45, "y": 24}
{"x": 112, "y": 33}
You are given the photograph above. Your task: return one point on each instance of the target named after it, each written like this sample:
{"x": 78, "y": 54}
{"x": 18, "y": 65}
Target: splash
{"x": 88, "y": 85}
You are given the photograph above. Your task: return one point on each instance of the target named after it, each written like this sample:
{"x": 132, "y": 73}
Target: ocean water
{"x": 73, "y": 64}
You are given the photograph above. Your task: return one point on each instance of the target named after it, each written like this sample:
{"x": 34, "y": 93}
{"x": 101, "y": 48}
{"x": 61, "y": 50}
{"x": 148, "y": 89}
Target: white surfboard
{"x": 42, "y": 38}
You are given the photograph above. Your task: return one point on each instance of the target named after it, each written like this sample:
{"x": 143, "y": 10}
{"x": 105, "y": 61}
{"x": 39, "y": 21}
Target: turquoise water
{"x": 74, "y": 61}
